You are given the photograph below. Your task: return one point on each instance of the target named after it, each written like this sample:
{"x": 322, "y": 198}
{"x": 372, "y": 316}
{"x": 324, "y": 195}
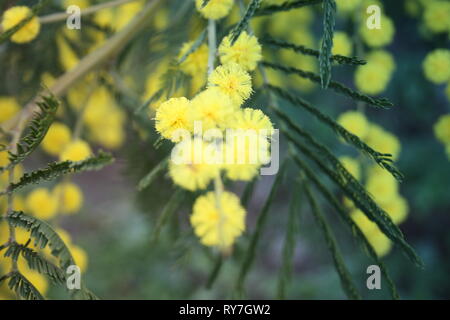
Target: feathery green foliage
{"x": 289, "y": 243}
{"x": 345, "y": 217}
{"x": 352, "y": 188}
{"x": 344, "y": 275}
{"x": 205, "y": 2}
{"x": 260, "y": 224}
{"x": 37, "y": 130}
{"x": 56, "y": 169}
{"x": 242, "y": 25}
{"x": 329, "y": 8}
{"x": 22, "y": 287}
{"x": 277, "y": 43}
{"x": 34, "y": 11}
{"x": 336, "y": 86}
{"x": 36, "y": 262}
{"x": 382, "y": 159}
{"x": 286, "y": 6}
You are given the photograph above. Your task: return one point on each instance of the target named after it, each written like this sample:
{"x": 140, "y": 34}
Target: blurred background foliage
{"x": 116, "y": 224}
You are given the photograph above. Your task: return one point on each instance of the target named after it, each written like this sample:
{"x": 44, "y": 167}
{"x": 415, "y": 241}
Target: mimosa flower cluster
{"x": 233, "y": 142}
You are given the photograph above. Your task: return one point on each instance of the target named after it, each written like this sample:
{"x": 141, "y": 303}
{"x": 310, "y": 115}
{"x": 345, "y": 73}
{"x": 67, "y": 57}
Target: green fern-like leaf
{"x": 286, "y": 6}
{"x": 344, "y": 275}
{"x": 36, "y": 262}
{"x": 336, "y": 86}
{"x": 36, "y": 132}
{"x": 382, "y": 159}
{"x": 242, "y": 25}
{"x": 56, "y": 169}
{"x": 329, "y": 7}
{"x": 345, "y": 217}
{"x": 281, "y": 44}
{"x": 23, "y": 288}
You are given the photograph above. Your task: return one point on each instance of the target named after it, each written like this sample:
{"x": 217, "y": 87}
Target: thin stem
{"x": 61, "y": 16}
{"x": 212, "y": 43}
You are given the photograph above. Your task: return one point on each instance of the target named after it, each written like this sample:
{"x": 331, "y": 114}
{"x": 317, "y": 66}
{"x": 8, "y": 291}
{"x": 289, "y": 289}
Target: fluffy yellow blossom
{"x": 397, "y": 209}
{"x": 436, "y": 66}
{"x": 232, "y": 80}
{"x": 192, "y": 165}
{"x": 56, "y": 139}
{"x": 246, "y": 51}
{"x": 67, "y": 56}
{"x": 383, "y": 59}
{"x": 195, "y": 63}
{"x": 355, "y": 122}
{"x": 215, "y": 9}
{"x": 69, "y": 197}
{"x": 8, "y": 108}
{"x": 218, "y": 222}
{"x": 352, "y": 165}
{"x": 14, "y": 16}
{"x": 382, "y": 186}
{"x": 377, "y": 38}
{"x": 76, "y": 151}
{"x": 79, "y": 256}
{"x": 42, "y": 204}
{"x": 371, "y": 78}
{"x": 83, "y": 4}
{"x": 437, "y": 16}
{"x": 347, "y": 5}
{"x": 442, "y": 129}
{"x": 173, "y": 116}
{"x": 383, "y": 141}
{"x": 342, "y": 44}
{"x": 213, "y": 108}
{"x": 380, "y": 243}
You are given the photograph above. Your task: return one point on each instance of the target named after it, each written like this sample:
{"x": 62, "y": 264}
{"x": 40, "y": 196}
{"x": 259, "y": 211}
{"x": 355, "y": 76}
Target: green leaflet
{"x": 242, "y": 25}
{"x": 260, "y": 224}
{"x": 57, "y": 169}
{"x": 345, "y": 217}
{"x": 344, "y": 275}
{"x": 329, "y": 7}
{"x": 281, "y": 44}
{"x": 286, "y": 6}
{"x": 382, "y": 159}
{"x": 336, "y": 86}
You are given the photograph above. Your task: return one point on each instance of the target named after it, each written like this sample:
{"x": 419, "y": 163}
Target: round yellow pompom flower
{"x": 79, "y": 256}
{"x": 232, "y": 80}
{"x": 383, "y": 59}
{"x": 192, "y": 164}
{"x": 69, "y": 197}
{"x": 342, "y": 44}
{"x": 437, "y": 16}
{"x": 377, "y": 38}
{"x": 218, "y": 222}
{"x": 372, "y": 78}
{"x": 14, "y": 16}
{"x": 442, "y": 129}
{"x": 246, "y": 51}
{"x": 397, "y": 209}
{"x": 56, "y": 139}
{"x": 212, "y": 108}
{"x": 381, "y": 243}
{"x": 437, "y": 66}
{"x": 42, "y": 204}
{"x": 347, "y": 5}
{"x": 382, "y": 186}
{"x": 8, "y": 108}
{"x": 215, "y": 9}
{"x": 76, "y": 151}
{"x": 355, "y": 122}
{"x": 172, "y": 118}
